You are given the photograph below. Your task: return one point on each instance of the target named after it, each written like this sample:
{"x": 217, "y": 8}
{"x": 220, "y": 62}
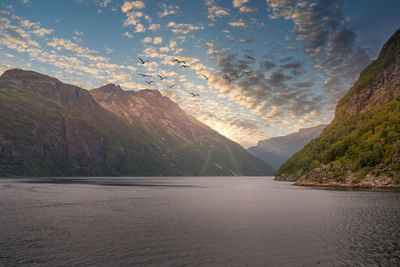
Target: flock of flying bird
{"x": 183, "y": 65}
{"x": 186, "y": 66}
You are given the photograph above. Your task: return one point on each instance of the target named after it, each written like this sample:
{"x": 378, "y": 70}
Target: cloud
{"x": 168, "y": 10}
{"x": 59, "y": 43}
{"x": 292, "y": 65}
{"x": 247, "y": 9}
{"x": 267, "y": 95}
{"x": 35, "y": 27}
{"x": 42, "y": 31}
{"x": 128, "y": 34}
{"x": 240, "y": 24}
{"x": 278, "y": 79}
{"x": 183, "y": 28}
{"x": 147, "y": 39}
{"x": 26, "y": 2}
{"x": 108, "y": 50}
{"x": 267, "y": 65}
{"x": 132, "y": 18}
{"x": 132, "y": 5}
{"x": 215, "y": 11}
{"x": 239, "y": 3}
{"x": 304, "y": 84}
{"x": 102, "y": 3}
{"x": 157, "y": 40}
{"x": 328, "y": 39}
{"x": 140, "y": 28}
{"x": 154, "y": 27}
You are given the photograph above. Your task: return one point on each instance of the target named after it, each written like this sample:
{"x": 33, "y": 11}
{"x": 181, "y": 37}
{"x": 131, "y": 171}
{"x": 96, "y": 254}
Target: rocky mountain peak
{"x": 110, "y": 88}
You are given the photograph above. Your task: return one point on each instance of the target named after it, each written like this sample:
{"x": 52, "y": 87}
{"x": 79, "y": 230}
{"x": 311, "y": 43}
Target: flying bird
{"x": 170, "y": 86}
{"x": 194, "y": 95}
{"x": 149, "y": 82}
{"x": 184, "y": 66}
{"x": 205, "y": 77}
{"x": 247, "y": 72}
{"x": 249, "y": 57}
{"x": 143, "y": 61}
{"x": 144, "y": 75}
{"x": 229, "y": 79}
{"x": 179, "y": 61}
{"x": 161, "y": 77}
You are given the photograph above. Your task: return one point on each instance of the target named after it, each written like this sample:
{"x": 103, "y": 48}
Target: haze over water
{"x": 233, "y": 221}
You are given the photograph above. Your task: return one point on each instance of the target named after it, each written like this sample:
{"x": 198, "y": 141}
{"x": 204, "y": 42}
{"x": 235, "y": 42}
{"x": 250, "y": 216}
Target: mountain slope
{"x": 276, "y": 150}
{"x": 49, "y": 128}
{"x": 360, "y": 148}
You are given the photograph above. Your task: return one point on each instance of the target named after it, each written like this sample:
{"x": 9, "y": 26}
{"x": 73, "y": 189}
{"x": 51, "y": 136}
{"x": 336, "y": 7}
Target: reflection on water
{"x": 231, "y": 221}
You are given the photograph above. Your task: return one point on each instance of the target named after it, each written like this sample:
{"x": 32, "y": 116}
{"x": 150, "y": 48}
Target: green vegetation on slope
{"x": 365, "y": 140}
{"x": 369, "y": 74}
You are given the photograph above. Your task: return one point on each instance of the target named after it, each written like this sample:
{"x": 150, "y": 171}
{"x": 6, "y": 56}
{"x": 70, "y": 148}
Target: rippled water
{"x": 233, "y": 221}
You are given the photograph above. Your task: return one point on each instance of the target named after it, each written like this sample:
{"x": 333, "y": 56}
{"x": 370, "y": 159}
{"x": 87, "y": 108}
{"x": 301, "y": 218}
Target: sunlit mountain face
{"x": 250, "y": 69}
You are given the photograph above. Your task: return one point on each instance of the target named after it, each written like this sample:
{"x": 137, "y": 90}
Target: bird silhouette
{"x": 194, "y": 95}
{"x": 143, "y": 61}
{"x": 144, "y": 75}
{"x": 247, "y": 72}
{"x": 249, "y": 57}
{"x": 184, "y": 66}
{"x": 229, "y": 79}
{"x": 170, "y": 86}
{"x": 149, "y": 82}
{"x": 179, "y": 61}
{"x": 161, "y": 77}
{"x": 205, "y": 77}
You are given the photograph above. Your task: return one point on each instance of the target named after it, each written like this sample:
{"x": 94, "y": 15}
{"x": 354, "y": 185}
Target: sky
{"x": 261, "y": 68}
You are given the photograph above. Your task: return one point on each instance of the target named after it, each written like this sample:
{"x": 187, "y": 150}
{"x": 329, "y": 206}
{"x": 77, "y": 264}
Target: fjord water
{"x": 233, "y": 221}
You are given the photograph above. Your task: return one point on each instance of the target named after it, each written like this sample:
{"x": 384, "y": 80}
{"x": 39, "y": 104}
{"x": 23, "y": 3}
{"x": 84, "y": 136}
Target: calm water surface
{"x": 235, "y": 221}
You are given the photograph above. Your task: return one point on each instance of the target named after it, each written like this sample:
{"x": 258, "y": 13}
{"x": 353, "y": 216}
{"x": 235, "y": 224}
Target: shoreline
{"x": 335, "y": 185}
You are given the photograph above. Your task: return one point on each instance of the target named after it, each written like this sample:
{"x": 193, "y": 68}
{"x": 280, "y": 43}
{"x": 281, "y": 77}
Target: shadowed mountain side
{"x": 49, "y": 128}
{"x": 276, "y": 150}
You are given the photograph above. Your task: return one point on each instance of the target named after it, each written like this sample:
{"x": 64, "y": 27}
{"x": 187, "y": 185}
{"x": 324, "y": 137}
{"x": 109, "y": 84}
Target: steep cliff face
{"x": 360, "y": 147}
{"x": 378, "y": 84}
{"x": 276, "y": 150}
{"x": 49, "y": 128}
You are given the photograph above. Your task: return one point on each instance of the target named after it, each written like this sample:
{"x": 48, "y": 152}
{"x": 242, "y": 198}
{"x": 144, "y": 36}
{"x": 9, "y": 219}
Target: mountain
{"x": 49, "y": 128}
{"x": 276, "y": 150}
{"x": 360, "y": 148}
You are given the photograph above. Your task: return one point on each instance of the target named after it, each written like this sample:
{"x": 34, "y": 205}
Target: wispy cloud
{"x": 214, "y": 10}
{"x": 183, "y": 28}
{"x": 168, "y": 10}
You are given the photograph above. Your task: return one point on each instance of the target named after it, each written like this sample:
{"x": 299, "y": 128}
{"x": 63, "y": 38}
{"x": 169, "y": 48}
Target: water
{"x": 235, "y": 221}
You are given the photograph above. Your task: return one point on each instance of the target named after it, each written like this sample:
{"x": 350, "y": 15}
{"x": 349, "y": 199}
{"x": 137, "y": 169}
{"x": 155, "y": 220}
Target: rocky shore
{"x": 337, "y": 177}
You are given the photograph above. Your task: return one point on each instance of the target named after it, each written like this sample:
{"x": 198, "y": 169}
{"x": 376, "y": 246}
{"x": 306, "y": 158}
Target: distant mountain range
{"x": 360, "y": 148}
{"x": 49, "y": 128}
{"x": 277, "y": 150}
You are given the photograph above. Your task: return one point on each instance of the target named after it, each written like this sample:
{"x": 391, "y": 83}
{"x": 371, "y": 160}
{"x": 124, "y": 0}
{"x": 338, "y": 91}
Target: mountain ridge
{"x": 54, "y": 129}
{"x": 276, "y": 150}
